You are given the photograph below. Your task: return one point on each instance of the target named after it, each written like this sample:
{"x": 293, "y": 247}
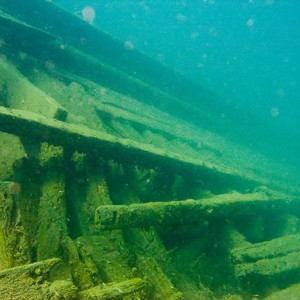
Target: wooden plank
{"x": 19, "y": 93}
{"x": 278, "y": 257}
{"x": 28, "y": 281}
{"x": 81, "y": 138}
{"x": 134, "y": 288}
{"x": 42, "y": 267}
{"x": 270, "y": 267}
{"x": 189, "y": 212}
{"x": 290, "y": 293}
{"x": 270, "y": 249}
{"x": 13, "y": 247}
{"x": 37, "y": 128}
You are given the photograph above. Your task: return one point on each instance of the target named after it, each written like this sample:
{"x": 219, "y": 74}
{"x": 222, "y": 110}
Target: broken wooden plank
{"x": 13, "y": 246}
{"x": 134, "y": 288}
{"x": 7, "y": 206}
{"x": 279, "y": 266}
{"x": 276, "y": 258}
{"x": 28, "y": 281}
{"x": 191, "y": 211}
{"x": 290, "y": 293}
{"x": 266, "y": 250}
{"x": 52, "y": 215}
{"x": 18, "y": 93}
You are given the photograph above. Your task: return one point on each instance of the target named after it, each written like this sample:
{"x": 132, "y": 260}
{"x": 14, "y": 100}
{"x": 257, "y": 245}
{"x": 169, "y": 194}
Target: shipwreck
{"x": 115, "y": 185}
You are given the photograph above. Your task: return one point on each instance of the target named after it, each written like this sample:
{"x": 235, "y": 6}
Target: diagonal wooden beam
{"x": 41, "y": 129}
{"x": 37, "y": 129}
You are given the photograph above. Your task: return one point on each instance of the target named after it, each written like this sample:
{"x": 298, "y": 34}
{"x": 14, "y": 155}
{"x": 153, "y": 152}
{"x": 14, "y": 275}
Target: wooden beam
{"x": 29, "y": 281}
{"x": 17, "y": 92}
{"x": 270, "y": 249}
{"x": 117, "y": 290}
{"x": 191, "y": 212}
{"x": 36, "y": 128}
{"x": 278, "y": 266}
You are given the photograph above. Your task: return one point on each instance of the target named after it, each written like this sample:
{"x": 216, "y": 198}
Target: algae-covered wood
{"x": 291, "y": 293}
{"x": 17, "y": 92}
{"x": 282, "y": 265}
{"x": 31, "y": 282}
{"x": 39, "y": 129}
{"x": 135, "y": 288}
{"x": 277, "y": 247}
{"x": 192, "y": 212}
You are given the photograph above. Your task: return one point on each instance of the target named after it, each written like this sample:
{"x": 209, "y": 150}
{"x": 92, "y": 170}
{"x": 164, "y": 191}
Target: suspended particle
{"x": 128, "y": 45}
{"x": 88, "y": 14}
{"x": 275, "y": 112}
{"x": 250, "y": 22}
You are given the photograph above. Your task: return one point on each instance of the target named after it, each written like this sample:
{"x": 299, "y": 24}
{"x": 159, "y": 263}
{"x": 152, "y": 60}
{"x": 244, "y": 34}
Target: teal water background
{"x": 246, "y": 51}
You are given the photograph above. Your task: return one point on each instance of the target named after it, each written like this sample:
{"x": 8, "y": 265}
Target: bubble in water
{"x": 83, "y": 41}
{"x": 250, "y": 22}
{"x": 161, "y": 57}
{"x": 128, "y": 45}
{"x": 88, "y": 14}
{"x": 181, "y": 17}
{"x": 49, "y": 64}
{"x": 280, "y": 93}
{"x": 213, "y": 32}
{"x": 194, "y": 35}
{"x": 211, "y": 2}
{"x": 275, "y": 111}
{"x": 269, "y": 2}
{"x": 200, "y": 65}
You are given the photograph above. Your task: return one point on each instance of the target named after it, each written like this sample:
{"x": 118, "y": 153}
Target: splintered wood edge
{"x": 40, "y": 266}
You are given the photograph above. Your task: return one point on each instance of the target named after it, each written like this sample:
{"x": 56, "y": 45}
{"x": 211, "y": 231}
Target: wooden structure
{"x": 113, "y": 186}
